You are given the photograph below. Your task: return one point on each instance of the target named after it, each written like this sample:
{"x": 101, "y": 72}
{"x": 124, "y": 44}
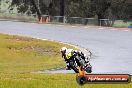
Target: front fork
{"x": 80, "y": 78}
{"x": 81, "y": 71}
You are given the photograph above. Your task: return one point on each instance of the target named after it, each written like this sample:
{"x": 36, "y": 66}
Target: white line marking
{"x": 59, "y": 25}
{"x": 73, "y": 26}
{"x": 48, "y": 24}
{"x": 125, "y": 30}
{"x": 40, "y": 38}
{"x": 113, "y": 29}
{"x": 100, "y": 28}
{"x": 85, "y": 27}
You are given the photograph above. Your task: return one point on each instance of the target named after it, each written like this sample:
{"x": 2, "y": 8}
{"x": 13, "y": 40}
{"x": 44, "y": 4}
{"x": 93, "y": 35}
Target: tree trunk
{"x": 61, "y": 7}
{"x": 37, "y": 10}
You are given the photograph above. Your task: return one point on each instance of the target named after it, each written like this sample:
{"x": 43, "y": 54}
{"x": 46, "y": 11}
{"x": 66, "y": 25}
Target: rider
{"x": 74, "y": 55}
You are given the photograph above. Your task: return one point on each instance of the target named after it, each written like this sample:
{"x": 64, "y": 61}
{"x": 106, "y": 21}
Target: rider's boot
{"x": 68, "y": 67}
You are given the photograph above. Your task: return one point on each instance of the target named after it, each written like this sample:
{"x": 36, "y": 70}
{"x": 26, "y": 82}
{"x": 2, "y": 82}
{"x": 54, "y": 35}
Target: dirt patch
{"x": 17, "y": 38}
{"x": 40, "y": 50}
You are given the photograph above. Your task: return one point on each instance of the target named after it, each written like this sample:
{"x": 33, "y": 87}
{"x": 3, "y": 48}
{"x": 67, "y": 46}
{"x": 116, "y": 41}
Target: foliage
{"x": 102, "y": 9}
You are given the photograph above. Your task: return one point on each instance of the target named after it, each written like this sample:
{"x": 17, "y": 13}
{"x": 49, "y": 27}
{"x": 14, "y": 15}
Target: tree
{"x": 62, "y": 7}
{"x": 78, "y": 8}
{"x": 122, "y": 9}
{"x": 103, "y": 9}
{"x": 36, "y": 8}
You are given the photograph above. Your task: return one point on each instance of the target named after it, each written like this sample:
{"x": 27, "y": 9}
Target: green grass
{"x": 120, "y": 23}
{"x": 49, "y": 81}
{"x": 20, "y": 56}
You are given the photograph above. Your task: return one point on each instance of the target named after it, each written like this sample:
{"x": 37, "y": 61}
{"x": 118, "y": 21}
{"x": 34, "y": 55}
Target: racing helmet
{"x": 63, "y": 50}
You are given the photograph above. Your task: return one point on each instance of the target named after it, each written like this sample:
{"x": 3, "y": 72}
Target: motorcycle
{"x": 85, "y": 65}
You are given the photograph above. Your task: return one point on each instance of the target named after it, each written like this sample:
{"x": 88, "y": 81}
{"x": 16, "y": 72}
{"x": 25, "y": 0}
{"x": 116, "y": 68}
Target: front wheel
{"x": 81, "y": 80}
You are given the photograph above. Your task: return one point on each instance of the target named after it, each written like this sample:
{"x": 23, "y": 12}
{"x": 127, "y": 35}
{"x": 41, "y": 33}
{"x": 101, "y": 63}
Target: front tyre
{"x": 81, "y": 80}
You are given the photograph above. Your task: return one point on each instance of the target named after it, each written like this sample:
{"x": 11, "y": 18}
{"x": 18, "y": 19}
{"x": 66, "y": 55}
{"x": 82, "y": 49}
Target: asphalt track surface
{"x": 111, "y": 48}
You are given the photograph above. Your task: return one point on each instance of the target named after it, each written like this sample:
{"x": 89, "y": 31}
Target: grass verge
{"x": 22, "y": 54}
{"x": 27, "y": 80}
{"x": 120, "y": 23}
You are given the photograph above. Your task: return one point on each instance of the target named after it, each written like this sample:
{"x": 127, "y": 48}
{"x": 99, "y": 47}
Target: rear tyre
{"x": 88, "y": 69}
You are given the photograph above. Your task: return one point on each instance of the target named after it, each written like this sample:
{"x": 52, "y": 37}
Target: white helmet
{"x": 63, "y": 49}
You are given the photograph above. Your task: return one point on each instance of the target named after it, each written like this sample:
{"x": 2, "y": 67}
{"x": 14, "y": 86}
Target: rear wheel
{"x": 88, "y": 69}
